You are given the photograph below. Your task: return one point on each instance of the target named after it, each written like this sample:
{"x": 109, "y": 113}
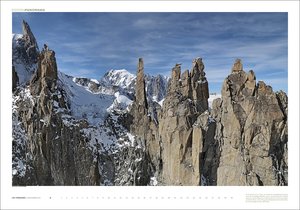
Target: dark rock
{"x": 30, "y": 43}
{"x": 15, "y": 79}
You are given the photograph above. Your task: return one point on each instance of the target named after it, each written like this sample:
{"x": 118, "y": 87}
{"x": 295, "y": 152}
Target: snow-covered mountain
{"x": 122, "y": 82}
{"x": 156, "y": 86}
{"x": 121, "y": 78}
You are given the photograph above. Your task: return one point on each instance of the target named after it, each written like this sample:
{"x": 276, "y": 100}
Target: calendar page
{"x": 149, "y": 104}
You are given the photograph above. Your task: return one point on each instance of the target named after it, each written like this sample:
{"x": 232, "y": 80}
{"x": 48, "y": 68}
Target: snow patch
{"x": 15, "y": 39}
{"x": 153, "y": 181}
{"x": 95, "y": 81}
{"x": 99, "y": 140}
{"x": 161, "y": 102}
{"x": 131, "y": 138}
{"x": 122, "y": 99}
{"x": 121, "y": 102}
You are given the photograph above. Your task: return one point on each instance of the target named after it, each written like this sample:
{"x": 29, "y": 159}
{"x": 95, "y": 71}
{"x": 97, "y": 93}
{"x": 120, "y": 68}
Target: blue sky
{"x": 89, "y": 44}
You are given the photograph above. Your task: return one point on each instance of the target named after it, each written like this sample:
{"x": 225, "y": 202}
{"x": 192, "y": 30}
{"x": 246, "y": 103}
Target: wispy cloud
{"x": 145, "y": 23}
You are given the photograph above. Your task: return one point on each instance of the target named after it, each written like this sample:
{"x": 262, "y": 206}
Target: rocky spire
{"x": 140, "y": 85}
{"x": 251, "y": 83}
{"x": 30, "y": 43}
{"x": 46, "y": 75}
{"x": 139, "y": 109}
{"x": 237, "y": 66}
{"x": 191, "y": 85}
{"x": 199, "y": 85}
{"x": 186, "y": 88}
{"x": 175, "y": 78}
{"x": 197, "y": 71}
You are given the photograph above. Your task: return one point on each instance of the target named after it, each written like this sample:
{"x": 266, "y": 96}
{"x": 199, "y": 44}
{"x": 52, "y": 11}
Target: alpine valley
{"x": 126, "y": 129}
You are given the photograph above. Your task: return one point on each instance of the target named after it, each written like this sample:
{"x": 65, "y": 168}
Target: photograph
{"x": 149, "y": 99}
{"x": 149, "y": 104}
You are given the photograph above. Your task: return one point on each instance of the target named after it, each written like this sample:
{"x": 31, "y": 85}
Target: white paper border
{"x": 148, "y": 197}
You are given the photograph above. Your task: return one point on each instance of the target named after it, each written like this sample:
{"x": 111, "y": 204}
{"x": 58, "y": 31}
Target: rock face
{"x": 199, "y": 85}
{"x": 251, "y": 130}
{"x": 140, "y": 105}
{"x": 30, "y": 43}
{"x": 45, "y": 77}
{"x": 186, "y": 99}
{"x": 237, "y": 66}
{"x": 140, "y": 85}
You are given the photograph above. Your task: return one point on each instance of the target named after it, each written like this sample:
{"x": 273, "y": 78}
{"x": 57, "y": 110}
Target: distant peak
{"x": 119, "y": 71}
{"x": 119, "y": 77}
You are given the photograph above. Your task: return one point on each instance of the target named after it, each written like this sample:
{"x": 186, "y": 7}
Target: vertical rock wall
{"x": 252, "y": 130}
